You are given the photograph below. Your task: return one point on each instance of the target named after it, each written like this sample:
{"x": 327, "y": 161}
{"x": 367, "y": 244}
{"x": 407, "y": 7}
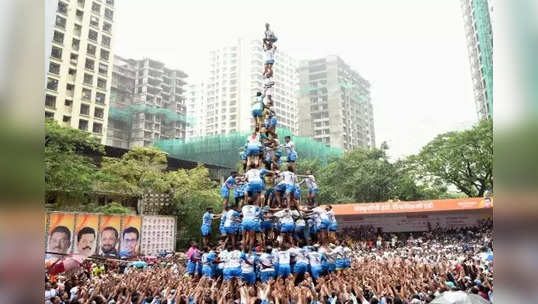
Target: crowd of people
{"x": 275, "y": 249}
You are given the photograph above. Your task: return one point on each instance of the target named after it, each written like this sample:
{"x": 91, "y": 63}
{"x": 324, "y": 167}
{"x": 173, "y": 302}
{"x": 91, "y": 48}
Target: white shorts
{"x": 269, "y": 91}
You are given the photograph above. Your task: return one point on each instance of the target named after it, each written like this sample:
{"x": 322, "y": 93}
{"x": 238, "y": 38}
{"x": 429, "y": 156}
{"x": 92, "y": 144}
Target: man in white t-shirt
{"x": 250, "y": 224}
{"x": 287, "y": 225}
{"x": 270, "y": 51}
{"x": 231, "y": 225}
{"x": 310, "y": 182}
{"x": 286, "y": 186}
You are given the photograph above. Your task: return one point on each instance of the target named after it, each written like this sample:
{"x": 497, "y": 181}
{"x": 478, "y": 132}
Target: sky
{"x": 412, "y": 52}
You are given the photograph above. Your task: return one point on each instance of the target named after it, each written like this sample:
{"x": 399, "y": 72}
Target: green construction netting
{"x": 485, "y": 40}
{"x": 126, "y": 115}
{"x": 224, "y": 150}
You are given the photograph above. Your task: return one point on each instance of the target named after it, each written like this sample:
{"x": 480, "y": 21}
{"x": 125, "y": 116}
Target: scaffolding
{"x": 485, "y": 42}
{"x": 225, "y": 150}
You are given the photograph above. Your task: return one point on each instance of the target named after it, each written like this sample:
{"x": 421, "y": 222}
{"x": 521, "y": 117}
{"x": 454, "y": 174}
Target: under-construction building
{"x": 477, "y": 23}
{"x": 146, "y": 103}
{"x": 334, "y": 104}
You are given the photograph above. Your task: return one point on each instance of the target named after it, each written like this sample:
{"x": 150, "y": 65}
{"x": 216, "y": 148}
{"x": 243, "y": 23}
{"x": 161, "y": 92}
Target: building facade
{"x": 334, "y": 104}
{"x": 79, "y": 68}
{"x": 147, "y": 103}
{"x": 235, "y": 75}
{"x": 477, "y": 24}
{"x": 196, "y": 99}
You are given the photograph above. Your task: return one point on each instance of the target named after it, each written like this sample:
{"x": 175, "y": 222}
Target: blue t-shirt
{"x": 207, "y": 218}
{"x": 230, "y": 182}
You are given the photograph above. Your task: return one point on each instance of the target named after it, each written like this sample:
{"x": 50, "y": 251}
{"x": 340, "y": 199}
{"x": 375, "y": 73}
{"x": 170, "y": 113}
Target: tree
{"x": 463, "y": 159}
{"x": 68, "y": 173}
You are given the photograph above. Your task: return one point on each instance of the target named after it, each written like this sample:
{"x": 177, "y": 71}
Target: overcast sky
{"x": 413, "y": 52}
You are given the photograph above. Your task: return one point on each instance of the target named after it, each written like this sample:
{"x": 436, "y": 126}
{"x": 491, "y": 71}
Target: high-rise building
{"x": 334, "y": 104}
{"x": 147, "y": 103}
{"x": 235, "y": 75}
{"x": 196, "y": 99}
{"x": 477, "y": 24}
{"x": 79, "y": 70}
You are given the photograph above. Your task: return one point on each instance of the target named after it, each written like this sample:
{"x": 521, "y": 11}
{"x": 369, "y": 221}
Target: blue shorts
{"x": 313, "y": 191}
{"x": 191, "y": 267}
{"x": 256, "y": 113}
{"x": 222, "y": 230}
{"x": 224, "y": 192}
{"x": 333, "y": 226}
{"x": 288, "y": 227}
{"x": 253, "y": 150}
{"x": 315, "y": 271}
{"x": 266, "y": 275}
{"x": 250, "y": 225}
{"x": 347, "y": 262}
{"x": 324, "y": 224}
{"x": 285, "y": 188}
{"x": 269, "y": 191}
{"x": 249, "y": 277}
{"x": 284, "y": 270}
{"x": 331, "y": 267}
{"x": 254, "y": 187}
{"x": 272, "y": 122}
{"x": 269, "y": 61}
{"x": 267, "y": 225}
{"x": 231, "y": 230}
{"x": 340, "y": 264}
{"x": 300, "y": 268}
{"x": 229, "y": 273}
{"x": 292, "y": 157}
{"x": 297, "y": 192}
{"x": 206, "y": 230}
{"x": 208, "y": 271}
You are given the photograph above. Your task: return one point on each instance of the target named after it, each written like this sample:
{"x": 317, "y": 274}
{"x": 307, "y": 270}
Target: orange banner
{"x": 110, "y": 235}
{"x": 60, "y": 232}
{"x": 130, "y": 236}
{"x": 414, "y": 206}
{"x": 86, "y": 233}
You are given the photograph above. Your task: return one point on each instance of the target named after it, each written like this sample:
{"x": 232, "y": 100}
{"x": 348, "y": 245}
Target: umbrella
{"x": 138, "y": 264}
{"x": 459, "y": 297}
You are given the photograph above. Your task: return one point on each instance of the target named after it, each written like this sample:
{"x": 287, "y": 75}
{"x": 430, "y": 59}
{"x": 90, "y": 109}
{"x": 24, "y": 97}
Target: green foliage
{"x": 112, "y": 208}
{"x": 66, "y": 168}
{"x": 463, "y": 159}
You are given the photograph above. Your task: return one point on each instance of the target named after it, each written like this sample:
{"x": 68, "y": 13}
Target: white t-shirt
{"x": 73, "y": 292}
{"x": 330, "y": 215}
{"x": 284, "y": 216}
{"x": 322, "y": 213}
{"x": 299, "y": 254}
{"x": 234, "y": 259}
{"x": 288, "y": 177}
{"x": 250, "y": 212}
{"x": 231, "y": 216}
{"x": 290, "y": 147}
{"x": 314, "y": 258}
{"x": 310, "y": 182}
{"x": 246, "y": 267}
{"x": 254, "y": 175}
{"x": 284, "y": 257}
{"x": 270, "y": 53}
{"x": 49, "y": 294}
{"x": 258, "y": 103}
{"x": 253, "y": 140}
{"x": 223, "y": 257}
{"x": 266, "y": 260}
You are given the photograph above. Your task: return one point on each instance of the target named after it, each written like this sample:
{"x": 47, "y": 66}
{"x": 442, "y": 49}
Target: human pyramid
{"x": 267, "y": 233}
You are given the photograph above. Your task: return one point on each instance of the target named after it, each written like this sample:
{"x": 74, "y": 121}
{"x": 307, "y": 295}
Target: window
{"x": 91, "y": 49}
{"x": 54, "y": 68}
{"x": 70, "y": 88}
{"x": 66, "y": 118}
{"x": 109, "y": 14}
{"x": 94, "y": 21}
{"x": 100, "y": 98}
{"x": 88, "y": 79}
{"x": 74, "y": 59}
{"x": 50, "y": 101}
{"x": 76, "y": 44}
{"x": 68, "y": 102}
{"x": 60, "y": 21}
{"x": 110, "y": 2}
{"x": 86, "y": 94}
{"x": 49, "y": 114}
{"x": 105, "y": 54}
{"x": 81, "y": 3}
{"x": 90, "y": 64}
{"x": 80, "y": 15}
{"x": 98, "y": 112}
{"x": 107, "y": 27}
{"x": 62, "y": 8}
{"x": 97, "y": 127}
{"x": 96, "y": 8}
{"x": 78, "y": 30}
{"x": 83, "y": 125}
{"x": 52, "y": 84}
{"x": 103, "y": 68}
{"x": 92, "y": 35}
{"x": 105, "y": 40}
{"x": 101, "y": 83}
{"x": 84, "y": 109}
{"x": 56, "y": 52}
